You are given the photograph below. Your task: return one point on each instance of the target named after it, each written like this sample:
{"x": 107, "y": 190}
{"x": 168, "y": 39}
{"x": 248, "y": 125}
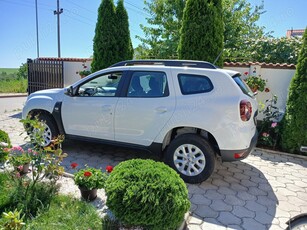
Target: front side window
{"x": 148, "y": 84}
{"x": 193, "y": 84}
{"x": 101, "y": 86}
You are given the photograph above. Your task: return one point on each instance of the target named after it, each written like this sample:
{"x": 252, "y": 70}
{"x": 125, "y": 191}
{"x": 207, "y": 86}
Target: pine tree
{"x": 124, "y": 44}
{"x": 105, "y": 37}
{"x": 294, "y": 132}
{"x": 202, "y": 31}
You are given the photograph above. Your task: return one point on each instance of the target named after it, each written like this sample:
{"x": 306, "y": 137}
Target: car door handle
{"x": 106, "y": 108}
{"x": 161, "y": 109}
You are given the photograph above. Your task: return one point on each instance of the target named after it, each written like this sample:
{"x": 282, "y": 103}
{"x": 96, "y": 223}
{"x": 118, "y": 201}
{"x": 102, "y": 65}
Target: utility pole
{"x": 58, "y": 12}
{"x": 37, "y": 42}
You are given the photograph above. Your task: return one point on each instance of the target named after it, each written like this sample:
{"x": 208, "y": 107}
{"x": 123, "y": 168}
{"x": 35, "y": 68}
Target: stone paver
{"x": 261, "y": 192}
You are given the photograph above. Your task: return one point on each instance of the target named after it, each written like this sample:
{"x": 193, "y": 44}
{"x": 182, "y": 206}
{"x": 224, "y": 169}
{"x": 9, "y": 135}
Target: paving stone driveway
{"x": 261, "y": 192}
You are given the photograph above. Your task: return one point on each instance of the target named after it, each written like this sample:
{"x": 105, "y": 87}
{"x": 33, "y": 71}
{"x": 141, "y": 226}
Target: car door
{"x": 146, "y": 107}
{"x": 89, "y": 113}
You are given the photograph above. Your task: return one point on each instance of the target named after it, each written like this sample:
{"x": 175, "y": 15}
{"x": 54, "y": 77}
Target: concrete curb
{"x": 8, "y": 95}
{"x": 282, "y": 153}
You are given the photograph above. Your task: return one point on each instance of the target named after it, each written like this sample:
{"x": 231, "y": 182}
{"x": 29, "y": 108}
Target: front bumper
{"x": 235, "y": 155}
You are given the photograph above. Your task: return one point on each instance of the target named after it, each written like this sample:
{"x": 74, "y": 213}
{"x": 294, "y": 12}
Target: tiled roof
{"x": 64, "y": 59}
{"x": 262, "y": 64}
{"x": 226, "y": 64}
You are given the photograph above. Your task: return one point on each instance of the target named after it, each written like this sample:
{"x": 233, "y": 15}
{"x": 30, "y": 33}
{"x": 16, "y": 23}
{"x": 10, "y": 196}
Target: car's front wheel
{"x": 47, "y": 132}
{"x": 192, "y": 157}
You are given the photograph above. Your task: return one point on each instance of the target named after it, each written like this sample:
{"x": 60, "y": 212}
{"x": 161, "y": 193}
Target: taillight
{"x": 245, "y": 110}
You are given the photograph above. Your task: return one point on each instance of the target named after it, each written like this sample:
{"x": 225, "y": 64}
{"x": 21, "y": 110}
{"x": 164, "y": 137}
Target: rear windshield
{"x": 243, "y": 86}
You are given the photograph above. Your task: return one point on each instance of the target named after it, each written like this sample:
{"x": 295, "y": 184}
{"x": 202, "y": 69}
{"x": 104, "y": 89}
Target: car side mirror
{"x": 69, "y": 91}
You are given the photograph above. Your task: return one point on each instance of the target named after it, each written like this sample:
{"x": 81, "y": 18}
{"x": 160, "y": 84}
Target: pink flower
{"x": 18, "y": 175}
{"x": 30, "y": 151}
{"x": 265, "y": 134}
{"x": 17, "y": 149}
{"x": 274, "y": 124}
{"x": 6, "y": 149}
{"x": 20, "y": 168}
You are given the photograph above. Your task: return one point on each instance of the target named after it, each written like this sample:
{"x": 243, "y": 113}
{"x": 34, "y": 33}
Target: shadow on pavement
{"x": 98, "y": 155}
{"x": 17, "y": 115}
{"x": 236, "y": 196}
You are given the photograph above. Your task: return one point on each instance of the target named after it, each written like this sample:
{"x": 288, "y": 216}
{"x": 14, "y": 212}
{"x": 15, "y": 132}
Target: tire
{"x": 181, "y": 153}
{"x": 299, "y": 223}
{"x": 51, "y": 130}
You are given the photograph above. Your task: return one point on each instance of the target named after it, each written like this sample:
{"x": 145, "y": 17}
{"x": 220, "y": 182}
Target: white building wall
{"x": 72, "y": 69}
{"x": 278, "y": 81}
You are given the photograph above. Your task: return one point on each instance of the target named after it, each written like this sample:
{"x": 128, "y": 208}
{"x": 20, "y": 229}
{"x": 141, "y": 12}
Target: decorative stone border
{"x": 282, "y": 153}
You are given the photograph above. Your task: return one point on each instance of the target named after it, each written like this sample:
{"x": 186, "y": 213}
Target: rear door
{"x": 146, "y": 107}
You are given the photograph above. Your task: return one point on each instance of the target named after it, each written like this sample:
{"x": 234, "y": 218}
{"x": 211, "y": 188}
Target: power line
{"x": 89, "y": 19}
{"x": 81, "y": 7}
{"x": 76, "y": 19}
{"x": 25, "y": 4}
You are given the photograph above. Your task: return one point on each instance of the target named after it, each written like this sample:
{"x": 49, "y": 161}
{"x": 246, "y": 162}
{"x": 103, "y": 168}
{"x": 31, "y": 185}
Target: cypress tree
{"x": 294, "y": 132}
{"x": 105, "y": 37}
{"x": 124, "y": 44}
{"x": 202, "y": 31}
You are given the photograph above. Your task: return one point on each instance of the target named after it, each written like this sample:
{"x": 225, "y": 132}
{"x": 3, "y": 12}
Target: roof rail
{"x": 164, "y": 62}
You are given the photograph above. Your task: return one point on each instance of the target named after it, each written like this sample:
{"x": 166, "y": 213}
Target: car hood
{"x": 52, "y": 93}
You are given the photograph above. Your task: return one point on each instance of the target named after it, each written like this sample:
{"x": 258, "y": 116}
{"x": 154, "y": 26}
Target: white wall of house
{"x": 278, "y": 81}
{"x": 72, "y": 69}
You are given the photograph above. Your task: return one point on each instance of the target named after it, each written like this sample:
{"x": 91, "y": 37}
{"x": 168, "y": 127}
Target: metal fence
{"x": 44, "y": 74}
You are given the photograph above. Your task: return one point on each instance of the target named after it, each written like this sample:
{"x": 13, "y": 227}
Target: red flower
{"x": 74, "y": 165}
{"x": 109, "y": 168}
{"x": 87, "y": 174}
{"x": 267, "y": 90}
{"x": 246, "y": 73}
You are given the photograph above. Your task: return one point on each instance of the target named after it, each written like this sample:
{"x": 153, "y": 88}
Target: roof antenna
{"x": 218, "y": 56}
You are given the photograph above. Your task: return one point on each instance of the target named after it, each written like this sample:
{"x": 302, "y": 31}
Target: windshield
{"x": 243, "y": 86}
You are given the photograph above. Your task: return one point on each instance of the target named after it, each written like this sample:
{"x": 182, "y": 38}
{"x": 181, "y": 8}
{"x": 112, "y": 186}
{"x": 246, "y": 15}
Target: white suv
{"x": 190, "y": 112}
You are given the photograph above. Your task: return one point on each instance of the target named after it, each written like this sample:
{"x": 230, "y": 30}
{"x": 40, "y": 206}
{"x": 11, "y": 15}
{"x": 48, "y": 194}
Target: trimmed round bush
{"x": 148, "y": 194}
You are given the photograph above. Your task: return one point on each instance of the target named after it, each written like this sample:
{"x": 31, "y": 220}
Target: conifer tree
{"x": 202, "y": 31}
{"x": 294, "y": 132}
{"x": 124, "y": 44}
{"x": 105, "y": 37}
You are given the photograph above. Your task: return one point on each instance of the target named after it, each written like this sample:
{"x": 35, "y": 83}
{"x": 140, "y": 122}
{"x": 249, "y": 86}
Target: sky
{"x": 78, "y": 20}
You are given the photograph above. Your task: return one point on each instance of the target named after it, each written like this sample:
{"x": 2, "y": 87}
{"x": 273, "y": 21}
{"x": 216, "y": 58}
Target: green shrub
{"x": 148, "y": 194}
{"x": 294, "y": 132}
{"x": 4, "y": 137}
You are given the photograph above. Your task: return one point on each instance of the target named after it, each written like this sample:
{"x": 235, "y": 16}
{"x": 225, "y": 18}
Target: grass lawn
{"x": 13, "y": 86}
{"x": 9, "y": 70}
{"x": 64, "y": 212}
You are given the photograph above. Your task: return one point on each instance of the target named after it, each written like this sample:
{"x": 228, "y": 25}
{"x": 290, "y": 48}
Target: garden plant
{"x": 148, "y": 194}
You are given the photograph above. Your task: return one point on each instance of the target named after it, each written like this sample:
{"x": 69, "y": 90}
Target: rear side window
{"x": 193, "y": 84}
{"x": 243, "y": 86}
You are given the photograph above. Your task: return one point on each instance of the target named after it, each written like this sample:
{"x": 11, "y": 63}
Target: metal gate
{"x": 44, "y": 74}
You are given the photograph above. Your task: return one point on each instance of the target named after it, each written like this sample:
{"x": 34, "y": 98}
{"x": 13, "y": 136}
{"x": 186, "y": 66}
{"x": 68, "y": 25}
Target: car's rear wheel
{"x": 192, "y": 157}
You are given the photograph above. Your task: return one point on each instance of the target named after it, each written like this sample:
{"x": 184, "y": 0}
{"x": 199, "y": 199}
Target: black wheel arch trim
{"x": 57, "y": 115}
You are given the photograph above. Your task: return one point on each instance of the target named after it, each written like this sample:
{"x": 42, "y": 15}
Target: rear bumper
{"x": 235, "y": 155}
